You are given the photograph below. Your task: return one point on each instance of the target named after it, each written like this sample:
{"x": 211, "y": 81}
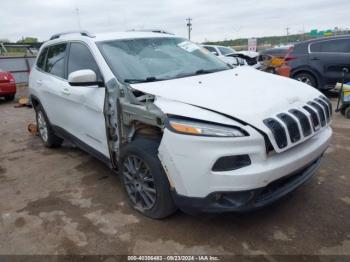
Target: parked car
{"x": 7, "y": 85}
{"x": 222, "y": 53}
{"x": 279, "y": 52}
{"x": 183, "y": 129}
{"x": 319, "y": 62}
{"x": 232, "y": 57}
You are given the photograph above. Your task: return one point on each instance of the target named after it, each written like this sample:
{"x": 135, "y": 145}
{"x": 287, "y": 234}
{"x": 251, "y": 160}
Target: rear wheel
{"x": 45, "y": 130}
{"x": 144, "y": 179}
{"x": 10, "y": 97}
{"x": 306, "y": 78}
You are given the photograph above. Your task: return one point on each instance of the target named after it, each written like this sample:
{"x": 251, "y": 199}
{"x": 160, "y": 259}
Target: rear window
{"x": 331, "y": 46}
{"x": 55, "y": 60}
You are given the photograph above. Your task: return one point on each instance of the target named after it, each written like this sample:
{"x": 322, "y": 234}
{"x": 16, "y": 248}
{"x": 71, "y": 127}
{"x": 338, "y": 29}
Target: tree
{"x": 28, "y": 40}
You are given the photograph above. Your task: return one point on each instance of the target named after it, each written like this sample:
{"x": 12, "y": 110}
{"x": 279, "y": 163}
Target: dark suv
{"x": 319, "y": 62}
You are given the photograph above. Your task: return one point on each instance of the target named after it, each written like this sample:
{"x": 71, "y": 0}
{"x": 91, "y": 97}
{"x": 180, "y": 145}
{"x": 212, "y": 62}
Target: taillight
{"x": 289, "y": 56}
{"x": 10, "y": 78}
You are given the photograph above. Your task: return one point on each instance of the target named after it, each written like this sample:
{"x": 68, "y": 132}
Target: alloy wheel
{"x": 42, "y": 126}
{"x": 139, "y": 182}
{"x": 305, "y": 80}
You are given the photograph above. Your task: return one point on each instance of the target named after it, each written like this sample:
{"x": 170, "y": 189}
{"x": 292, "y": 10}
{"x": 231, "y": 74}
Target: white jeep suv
{"x": 183, "y": 129}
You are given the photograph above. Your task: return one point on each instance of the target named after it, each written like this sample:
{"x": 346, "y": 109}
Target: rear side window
{"x": 81, "y": 58}
{"x": 331, "y": 46}
{"x": 55, "y": 60}
{"x": 41, "y": 59}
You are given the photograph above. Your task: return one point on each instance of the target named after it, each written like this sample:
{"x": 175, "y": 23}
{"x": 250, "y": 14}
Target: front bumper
{"x": 188, "y": 162}
{"x": 248, "y": 200}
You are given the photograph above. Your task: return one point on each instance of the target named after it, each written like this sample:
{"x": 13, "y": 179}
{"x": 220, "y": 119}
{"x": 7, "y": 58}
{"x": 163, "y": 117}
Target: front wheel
{"x": 144, "y": 179}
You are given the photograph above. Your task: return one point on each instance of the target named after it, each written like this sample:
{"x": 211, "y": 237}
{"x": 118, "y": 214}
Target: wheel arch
{"x": 35, "y": 101}
{"x": 310, "y": 71}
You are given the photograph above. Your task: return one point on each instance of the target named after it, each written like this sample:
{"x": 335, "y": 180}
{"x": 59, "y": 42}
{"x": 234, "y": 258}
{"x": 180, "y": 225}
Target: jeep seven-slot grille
{"x": 304, "y": 121}
{"x": 300, "y": 123}
{"x": 314, "y": 117}
{"x": 325, "y": 107}
{"x": 319, "y": 111}
{"x": 292, "y": 126}
{"x": 278, "y": 131}
{"x": 328, "y": 103}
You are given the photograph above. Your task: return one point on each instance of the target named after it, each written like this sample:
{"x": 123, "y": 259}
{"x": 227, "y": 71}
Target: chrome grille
{"x": 299, "y": 124}
{"x": 325, "y": 108}
{"x": 292, "y": 126}
{"x": 320, "y": 112}
{"x": 314, "y": 117}
{"x": 304, "y": 121}
{"x": 278, "y": 131}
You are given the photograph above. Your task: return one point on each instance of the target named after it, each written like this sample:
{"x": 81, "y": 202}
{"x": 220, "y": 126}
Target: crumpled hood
{"x": 243, "y": 93}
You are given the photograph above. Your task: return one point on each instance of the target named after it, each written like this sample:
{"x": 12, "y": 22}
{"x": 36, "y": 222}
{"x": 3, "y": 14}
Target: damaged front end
{"x": 129, "y": 113}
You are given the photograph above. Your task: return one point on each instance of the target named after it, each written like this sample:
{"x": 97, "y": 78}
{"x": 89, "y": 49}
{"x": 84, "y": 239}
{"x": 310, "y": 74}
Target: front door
{"x": 84, "y": 105}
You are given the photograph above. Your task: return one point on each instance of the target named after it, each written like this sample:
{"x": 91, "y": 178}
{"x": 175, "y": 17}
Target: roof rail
{"x": 160, "y": 31}
{"x": 82, "y": 32}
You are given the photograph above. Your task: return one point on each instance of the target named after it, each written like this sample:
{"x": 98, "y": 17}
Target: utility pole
{"x": 189, "y": 26}
{"x": 78, "y": 17}
{"x": 287, "y": 30}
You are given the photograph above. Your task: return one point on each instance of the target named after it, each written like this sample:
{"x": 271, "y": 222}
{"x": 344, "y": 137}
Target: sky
{"x": 212, "y": 19}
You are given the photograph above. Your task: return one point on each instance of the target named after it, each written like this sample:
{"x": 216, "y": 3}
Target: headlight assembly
{"x": 192, "y": 127}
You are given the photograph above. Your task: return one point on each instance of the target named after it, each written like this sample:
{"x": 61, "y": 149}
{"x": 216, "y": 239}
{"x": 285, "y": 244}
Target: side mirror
{"x": 85, "y": 77}
{"x": 214, "y": 53}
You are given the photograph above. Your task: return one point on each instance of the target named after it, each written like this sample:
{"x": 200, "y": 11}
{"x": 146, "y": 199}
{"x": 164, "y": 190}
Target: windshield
{"x": 226, "y": 50}
{"x": 152, "y": 59}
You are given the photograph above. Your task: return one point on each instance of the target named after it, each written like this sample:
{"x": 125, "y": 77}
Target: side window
{"x": 332, "y": 46}
{"x": 55, "y": 60}
{"x": 337, "y": 46}
{"x": 41, "y": 59}
{"x": 81, "y": 58}
{"x": 316, "y": 47}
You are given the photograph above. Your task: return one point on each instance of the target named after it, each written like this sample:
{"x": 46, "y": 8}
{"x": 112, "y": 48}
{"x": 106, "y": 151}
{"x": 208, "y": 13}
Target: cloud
{"x": 212, "y": 19}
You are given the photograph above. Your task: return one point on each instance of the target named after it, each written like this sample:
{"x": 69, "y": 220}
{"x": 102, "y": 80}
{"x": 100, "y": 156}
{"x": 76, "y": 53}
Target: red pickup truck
{"x": 7, "y": 85}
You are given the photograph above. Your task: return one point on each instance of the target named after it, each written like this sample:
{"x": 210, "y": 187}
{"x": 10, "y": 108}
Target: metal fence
{"x": 19, "y": 66}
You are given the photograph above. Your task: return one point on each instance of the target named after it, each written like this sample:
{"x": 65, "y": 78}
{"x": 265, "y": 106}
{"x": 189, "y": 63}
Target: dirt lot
{"x": 63, "y": 201}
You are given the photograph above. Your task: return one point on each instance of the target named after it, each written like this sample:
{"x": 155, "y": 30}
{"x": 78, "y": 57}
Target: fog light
{"x": 228, "y": 163}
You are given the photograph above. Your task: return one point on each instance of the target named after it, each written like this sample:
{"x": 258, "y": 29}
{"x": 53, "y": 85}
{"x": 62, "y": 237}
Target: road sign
{"x": 252, "y": 43}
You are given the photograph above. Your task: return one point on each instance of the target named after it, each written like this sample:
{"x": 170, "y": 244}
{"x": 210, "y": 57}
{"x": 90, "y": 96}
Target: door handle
{"x": 65, "y": 90}
{"x": 315, "y": 59}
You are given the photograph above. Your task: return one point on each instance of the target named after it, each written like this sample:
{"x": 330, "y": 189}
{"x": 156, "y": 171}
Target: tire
{"x": 347, "y": 112}
{"x": 307, "y": 79}
{"x": 46, "y": 132}
{"x": 10, "y": 98}
{"x": 144, "y": 180}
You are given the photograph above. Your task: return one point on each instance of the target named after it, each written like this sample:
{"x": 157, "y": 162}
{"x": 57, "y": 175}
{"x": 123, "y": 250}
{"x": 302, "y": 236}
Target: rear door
{"x": 329, "y": 57}
{"x": 51, "y": 81}
{"x": 84, "y": 105}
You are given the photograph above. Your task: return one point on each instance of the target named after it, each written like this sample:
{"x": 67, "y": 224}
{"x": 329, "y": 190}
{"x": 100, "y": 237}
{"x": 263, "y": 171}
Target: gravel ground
{"x": 63, "y": 201}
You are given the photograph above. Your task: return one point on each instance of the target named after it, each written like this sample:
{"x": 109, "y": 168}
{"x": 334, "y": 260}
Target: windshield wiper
{"x": 204, "y": 71}
{"x": 144, "y": 80}
{"x": 199, "y": 72}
